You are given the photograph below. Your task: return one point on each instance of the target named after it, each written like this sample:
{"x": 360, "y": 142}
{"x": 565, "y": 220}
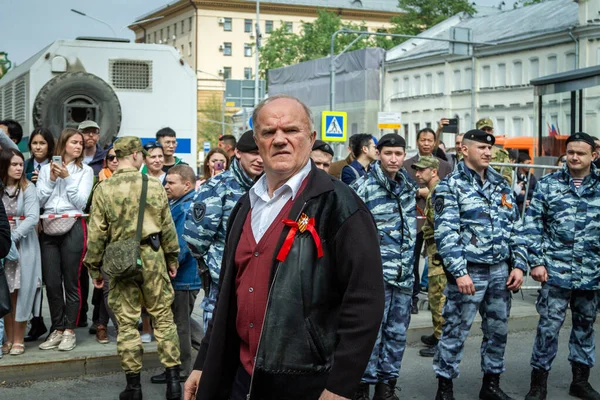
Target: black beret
{"x": 246, "y": 144}
{"x": 321, "y": 145}
{"x": 480, "y": 136}
{"x": 582, "y": 137}
{"x": 391, "y": 140}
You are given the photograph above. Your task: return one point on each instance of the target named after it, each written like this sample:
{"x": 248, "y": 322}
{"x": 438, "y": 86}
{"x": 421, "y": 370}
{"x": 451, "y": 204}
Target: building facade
{"x": 425, "y": 82}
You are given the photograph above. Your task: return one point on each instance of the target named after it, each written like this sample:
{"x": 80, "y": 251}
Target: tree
{"x": 419, "y": 15}
{"x": 209, "y": 125}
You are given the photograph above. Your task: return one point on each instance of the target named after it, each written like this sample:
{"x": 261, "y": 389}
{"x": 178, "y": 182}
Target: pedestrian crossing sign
{"x": 334, "y": 126}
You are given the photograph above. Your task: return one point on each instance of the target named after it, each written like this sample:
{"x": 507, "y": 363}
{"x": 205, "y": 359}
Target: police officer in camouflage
{"x": 479, "y": 237}
{"x": 113, "y": 217}
{"x": 562, "y": 226}
{"x": 207, "y": 217}
{"x": 390, "y": 195}
{"x": 427, "y": 174}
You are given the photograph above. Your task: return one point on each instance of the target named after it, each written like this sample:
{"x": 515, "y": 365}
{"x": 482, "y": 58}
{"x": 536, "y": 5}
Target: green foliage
{"x": 420, "y": 15}
{"x": 209, "y": 125}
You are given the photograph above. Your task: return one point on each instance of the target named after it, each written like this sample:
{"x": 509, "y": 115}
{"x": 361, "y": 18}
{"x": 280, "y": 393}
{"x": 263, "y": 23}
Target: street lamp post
{"x": 95, "y": 19}
{"x": 257, "y": 51}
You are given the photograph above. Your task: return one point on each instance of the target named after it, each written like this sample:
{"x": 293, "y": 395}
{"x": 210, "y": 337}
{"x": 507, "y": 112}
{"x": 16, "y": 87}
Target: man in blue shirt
{"x": 365, "y": 152}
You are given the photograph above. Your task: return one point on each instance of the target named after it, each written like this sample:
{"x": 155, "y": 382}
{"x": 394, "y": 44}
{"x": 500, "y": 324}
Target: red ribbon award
{"x": 303, "y": 224}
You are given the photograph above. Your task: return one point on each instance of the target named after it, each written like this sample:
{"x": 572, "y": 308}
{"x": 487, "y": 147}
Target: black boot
{"x": 362, "y": 393}
{"x": 429, "y": 340}
{"x": 490, "y": 390}
{"x": 444, "y": 391}
{"x": 133, "y": 391}
{"x": 173, "y": 384}
{"x": 385, "y": 390}
{"x": 580, "y": 387}
{"x": 38, "y": 328}
{"x": 539, "y": 385}
{"x": 427, "y": 352}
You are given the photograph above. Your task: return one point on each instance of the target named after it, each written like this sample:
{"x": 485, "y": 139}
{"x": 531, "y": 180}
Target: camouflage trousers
{"x": 388, "y": 351}
{"x": 126, "y": 299}
{"x": 552, "y": 305}
{"x": 437, "y": 299}
{"x": 492, "y": 300}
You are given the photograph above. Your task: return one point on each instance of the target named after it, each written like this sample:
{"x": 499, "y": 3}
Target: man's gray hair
{"x": 278, "y": 97}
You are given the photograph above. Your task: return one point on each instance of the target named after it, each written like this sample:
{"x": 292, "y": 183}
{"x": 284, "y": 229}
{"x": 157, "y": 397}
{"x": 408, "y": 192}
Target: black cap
{"x": 582, "y": 137}
{"x": 246, "y": 144}
{"x": 391, "y": 140}
{"x": 321, "y": 145}
{"x": 480, "y": 136}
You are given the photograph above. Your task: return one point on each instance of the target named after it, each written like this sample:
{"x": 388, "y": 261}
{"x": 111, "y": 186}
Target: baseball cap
{"x": 480, "y": 136}
{"x": 321, "y": 145}
{"x": 87, "y": 124}
{"x": 128, "y": 145}
{"x": 484, "y": 123}
{"x": 426, "y": 162}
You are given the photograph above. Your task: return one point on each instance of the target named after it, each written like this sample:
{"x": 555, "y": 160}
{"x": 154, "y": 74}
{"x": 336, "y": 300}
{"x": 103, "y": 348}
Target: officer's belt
{"x": 152, "y": 240}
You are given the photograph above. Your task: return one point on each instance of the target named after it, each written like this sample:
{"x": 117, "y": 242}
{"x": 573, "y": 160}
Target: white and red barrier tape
{"x": 48, "y": 216}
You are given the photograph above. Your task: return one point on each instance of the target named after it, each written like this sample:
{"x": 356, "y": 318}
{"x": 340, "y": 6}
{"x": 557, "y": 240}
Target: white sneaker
{"x": 68, "y": 342}
{"x": 52, "y": 342}
{"x": 146, "y": 337}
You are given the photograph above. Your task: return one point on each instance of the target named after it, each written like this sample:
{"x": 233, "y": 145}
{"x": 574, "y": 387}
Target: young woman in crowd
{"x": 155, "y": 161}
{"x": 216, "y": 162}
{"x": 24, "y": 275}
{"x": 63, "y": 187}
{"x": 110, "y": 165}
{"x": 41, "y": 147}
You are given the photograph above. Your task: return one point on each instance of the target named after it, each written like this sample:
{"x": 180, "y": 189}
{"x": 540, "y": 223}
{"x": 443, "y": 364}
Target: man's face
{"x": 90, "y": 137}
{"x": 283, "y": 137}
{"x": 425, "y": 143}
{"x": 579, "y": 156}
{"x": 391, "y": 159}
{"x": 488, "y": 129}
{"x": 176, "y": 187}
{"x": 458, "y": 143}
{"x": 169, "y": 144}
{"x": 251, "y": 162}
{"x": 478, "y": 154}
{"x": 321, "y": 159}
{"x": 371, "y": 151}
{"x": 424, "y": 175}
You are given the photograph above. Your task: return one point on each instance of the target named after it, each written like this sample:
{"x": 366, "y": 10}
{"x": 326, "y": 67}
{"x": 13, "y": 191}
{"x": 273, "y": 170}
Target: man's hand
{"x": 172, "y": 271}
{"x": 423, "y": 192}
{"x": 442, "y": 122}
{"x": 191, "y": 385}
{"x": 515, "y": 279}
{"x": 327, "y": 395}
{"x": 539, "y": 273}
{"x": 465, "y": 285}
{"x": 99, "y": 282}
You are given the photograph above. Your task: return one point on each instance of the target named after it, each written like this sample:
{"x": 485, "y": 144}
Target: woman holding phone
{"x": 216, "y": 162}
{"x": 41, "y": 147}
{"x": 63, "y": 187}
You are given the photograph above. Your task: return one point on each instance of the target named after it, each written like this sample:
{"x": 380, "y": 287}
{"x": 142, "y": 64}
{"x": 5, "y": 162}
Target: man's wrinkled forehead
{"x": 282, "y": 113}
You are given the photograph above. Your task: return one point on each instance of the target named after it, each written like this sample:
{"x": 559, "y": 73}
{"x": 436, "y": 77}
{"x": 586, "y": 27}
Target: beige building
{"x": 217, "y": 37}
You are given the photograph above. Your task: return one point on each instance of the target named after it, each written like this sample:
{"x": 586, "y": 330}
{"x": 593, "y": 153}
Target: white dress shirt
{"x": 264, "y": 208}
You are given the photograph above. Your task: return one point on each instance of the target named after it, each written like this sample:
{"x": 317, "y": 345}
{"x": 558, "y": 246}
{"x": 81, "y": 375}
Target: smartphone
{"x": 57, "y": 160}
{"x": 451, "y": 126}
{"x": 219, "y": 166}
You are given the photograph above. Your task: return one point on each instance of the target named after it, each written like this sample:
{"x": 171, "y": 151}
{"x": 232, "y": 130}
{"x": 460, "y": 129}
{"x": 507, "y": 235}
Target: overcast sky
{"x": 29, "y": 25}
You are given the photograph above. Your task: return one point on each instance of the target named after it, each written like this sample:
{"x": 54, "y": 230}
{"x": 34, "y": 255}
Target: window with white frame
{"x": 396, "y": 87}
{"x": 501, "y": 75}
{"x": 406, "y": 86}
{"x": 486, "y": 77}
{"x": 468, "y": 78}
{"x": 227, "y": 24}
{"x": 247, "y": 73}
{"x": 551, "y": 65}
{"x": 516, "y": 75}
{"x": 247, "y": 25}
{"x": 190, "y": 24}
{"x": 247, "y": 50}
{"x": 571, "y": 62}
{"x": 441, "y": 82}
{"x": 182, "y": 26}
{"x": 289, "y": 27}
{"x": 227, "y": 48}
{"x": 534, "y": 68}
{"x": 417, "y": 85}
{"x": 457, "y": 80}
{"x": 428, "y": 89}
{"x": 517, "y": 126}
{"x": 189, "y": 48}
{"x": 268, "y": 26}
{"x": 226, "y": 72}
{"x": 500, "y": 126}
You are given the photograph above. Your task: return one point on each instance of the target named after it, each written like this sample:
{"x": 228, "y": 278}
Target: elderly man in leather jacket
{"x": 301, "y": 286}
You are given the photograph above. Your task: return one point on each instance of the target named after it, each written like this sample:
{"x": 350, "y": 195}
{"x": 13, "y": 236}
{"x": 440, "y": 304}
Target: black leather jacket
{"x": 319, "y": 309}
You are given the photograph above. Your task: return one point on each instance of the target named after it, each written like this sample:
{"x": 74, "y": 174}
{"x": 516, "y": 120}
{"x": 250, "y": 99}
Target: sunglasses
{"x": 111, "y": 157}
{"x": 152, "y": 145}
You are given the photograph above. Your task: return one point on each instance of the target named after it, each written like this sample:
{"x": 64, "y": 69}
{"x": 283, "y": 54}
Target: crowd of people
{"x": 309, "y": 268}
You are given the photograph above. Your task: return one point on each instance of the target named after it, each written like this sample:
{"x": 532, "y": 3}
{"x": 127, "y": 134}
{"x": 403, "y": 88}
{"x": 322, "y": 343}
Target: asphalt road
{"x": 416, "y": 378}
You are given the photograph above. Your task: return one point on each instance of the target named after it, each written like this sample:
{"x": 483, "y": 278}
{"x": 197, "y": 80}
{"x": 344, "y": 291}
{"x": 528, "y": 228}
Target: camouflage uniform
{"x": 394, "y": 209}
{"x": 113, "y": 217}
{"x": 501, "y": 156}
{"x": 477, "y": 232}
{"x": 436, "y": 276}
{"x": 562, "y": 226}
{"x": 206, "y": 224}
